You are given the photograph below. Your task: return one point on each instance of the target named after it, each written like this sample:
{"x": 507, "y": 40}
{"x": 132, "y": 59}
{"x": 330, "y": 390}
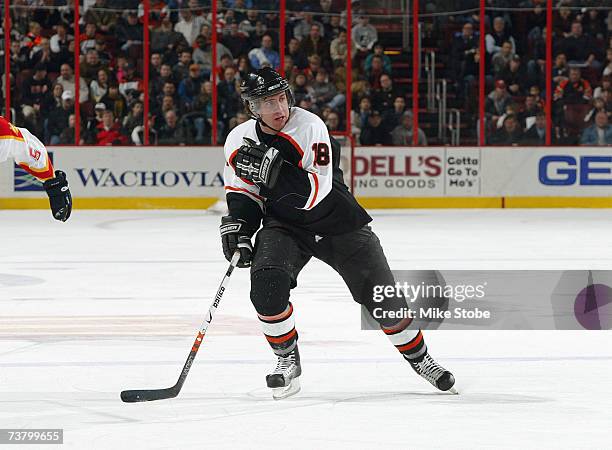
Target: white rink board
{"x": 132, "y": 172}
{"x": 112, "y": 300}
{"x": 483, "y": 172}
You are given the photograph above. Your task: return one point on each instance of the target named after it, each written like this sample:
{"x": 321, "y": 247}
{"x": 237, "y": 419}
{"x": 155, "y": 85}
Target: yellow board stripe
{"x": 366, "y": 202}
{"x": 430, "y": 202}
{"x": 114, "y": 203}
{"x": 558, "y": 202}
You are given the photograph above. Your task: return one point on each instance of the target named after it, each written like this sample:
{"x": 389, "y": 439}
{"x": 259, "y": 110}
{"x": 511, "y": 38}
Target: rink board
{"x": 383, "y": 177}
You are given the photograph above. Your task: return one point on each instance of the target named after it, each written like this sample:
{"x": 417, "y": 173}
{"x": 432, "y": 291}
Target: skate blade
{"x": 286, "y": 391}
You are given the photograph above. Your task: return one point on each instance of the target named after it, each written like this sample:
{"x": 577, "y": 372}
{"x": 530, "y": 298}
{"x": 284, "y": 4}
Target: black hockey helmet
{"x": 263, "y": 83}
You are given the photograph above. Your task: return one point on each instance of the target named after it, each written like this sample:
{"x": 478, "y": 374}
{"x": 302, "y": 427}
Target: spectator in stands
{"x": 402, "y": 133}
{"x": 560, "y": 70}
{"x": 19, "y": 58}
{"x": 606, "y": 83}
{"x": 44, "y": 55}
{"x": 324, "y": 92}
{"x": 134, "y": 117}
{"x": 333, "y": 121}
{"x": 228, "y": 91}
{"x": 171, "y": 133}
{"x": 155, "y": 66}
{"x": 359, "y": 118}
{"x": 109, "y": 131}
{"x": 364, "y": 34}
{"x": 90, "y": 128}
{"x": 166, "y": 41}
{"x": 290, "y": 69}
{"x": 501, "y": 60}
{"x": 189, "y": 25}
{"x": 34, "y": 90}
{"x": 58, "y": 118}
{"x": 165, "y": 76}
{"x": 510, "y": 134}
{"x": 241, "y": 117}
{"x": 130, "y": 32}
{"x": 315, "y": 44}
{"x": 295, "y": 51}
{"x": 131, "y": 85}
{"x": 580, "y": 48}
{"x": 88, "y": 39}
{"x": 497, "y": 101}
{"x": 594, "y": 24}
{"x": 380, "y": 52}
{"x": 375, "y": 72}
{"x": 375, "y": 132}
{"x": 181, "y": 68}
{"x": 59, "y": 44}
{"x": 600, "y": 133}
{"x": 463, "y": 47}
{"x": 236, "y": 41}
{"x": 264, "y": 56}
{"x": 598, "y": 105}
{"x": 114, "y": 101}
{"x": 575, "y": 89}
{"x": 383, "y": 97}
{"x": 304, "y": 26}
{"x": 54, "y": 100}
{"x": 338, "y": 50}
{"x": 514, "y": 76}
{"x": 393, "y": 117}
{"x": 500, "y": 34}
{"x": 67, "y": 135}
{"x": 92, "y": 65}
{"x": 67, "y": 80}
{"x": 607, "y": 71}
{"x": 100, "y": 14}
{"x": 33, "y": 38}
{"x": 531, "y": 108}
{"x": 189, "y": 87}
{"x": 301, "y": 88}
{"x": 249, "y": 23}
{"x": 536, "y": 134}
{"x": 99, "y": 87}
{"x": 103, "y": 53}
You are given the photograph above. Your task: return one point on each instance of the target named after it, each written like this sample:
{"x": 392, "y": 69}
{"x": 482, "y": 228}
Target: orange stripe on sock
{"x": 286, "y": 313}
{"x": 412, "y": 344}
{"x": 280, "y": 340}
{"x": 401, "y": 326}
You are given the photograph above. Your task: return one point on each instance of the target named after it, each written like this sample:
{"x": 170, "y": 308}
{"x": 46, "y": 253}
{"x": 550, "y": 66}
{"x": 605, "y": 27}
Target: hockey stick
{"x": 148, "y": 395}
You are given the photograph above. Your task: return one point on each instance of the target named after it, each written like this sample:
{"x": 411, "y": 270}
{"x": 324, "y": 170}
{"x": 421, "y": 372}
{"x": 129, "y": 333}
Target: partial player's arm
{"x": 245, "y": 206}
{"x": 31, "y": 155}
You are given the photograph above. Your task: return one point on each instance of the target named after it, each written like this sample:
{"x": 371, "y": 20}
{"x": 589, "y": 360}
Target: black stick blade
{"x": 147, "y": 395}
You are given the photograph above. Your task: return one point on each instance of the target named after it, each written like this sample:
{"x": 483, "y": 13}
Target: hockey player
{"x": 282, "y": 169}
{"x": 32, "y": 156}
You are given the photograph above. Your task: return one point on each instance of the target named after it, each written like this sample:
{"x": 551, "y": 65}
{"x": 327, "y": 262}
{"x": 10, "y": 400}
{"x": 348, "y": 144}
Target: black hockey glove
{"x": 235, "y": 235}
{"x": 59, "y": 196}
{"x": 258, "y": 163}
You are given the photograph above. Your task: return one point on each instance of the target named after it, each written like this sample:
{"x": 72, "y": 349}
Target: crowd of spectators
{"x": 515, "y": 68}
{"x": 180, "y": 90}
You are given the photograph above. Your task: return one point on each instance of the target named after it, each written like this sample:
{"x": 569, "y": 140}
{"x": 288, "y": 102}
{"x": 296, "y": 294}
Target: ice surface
{"x": 112, "y": 300}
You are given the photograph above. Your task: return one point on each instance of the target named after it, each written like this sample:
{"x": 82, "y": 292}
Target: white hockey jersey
{"x": 25, "y": 149}
{"x": 310, "y": 192}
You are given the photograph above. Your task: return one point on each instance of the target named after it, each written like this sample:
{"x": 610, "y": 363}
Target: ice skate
{"x": 433, "y": 372}
{"x": 284, "y": 380}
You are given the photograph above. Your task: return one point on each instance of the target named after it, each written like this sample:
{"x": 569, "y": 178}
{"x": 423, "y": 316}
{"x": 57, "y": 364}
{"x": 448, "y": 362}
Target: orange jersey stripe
{"x": 41, "y": 174}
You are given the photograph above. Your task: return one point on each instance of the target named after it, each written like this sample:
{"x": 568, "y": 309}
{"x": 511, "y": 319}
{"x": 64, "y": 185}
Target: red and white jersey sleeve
{"x": 309, "y": 135}
{"x": 25, "y": 149}
{"x": 233, "y": 183}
